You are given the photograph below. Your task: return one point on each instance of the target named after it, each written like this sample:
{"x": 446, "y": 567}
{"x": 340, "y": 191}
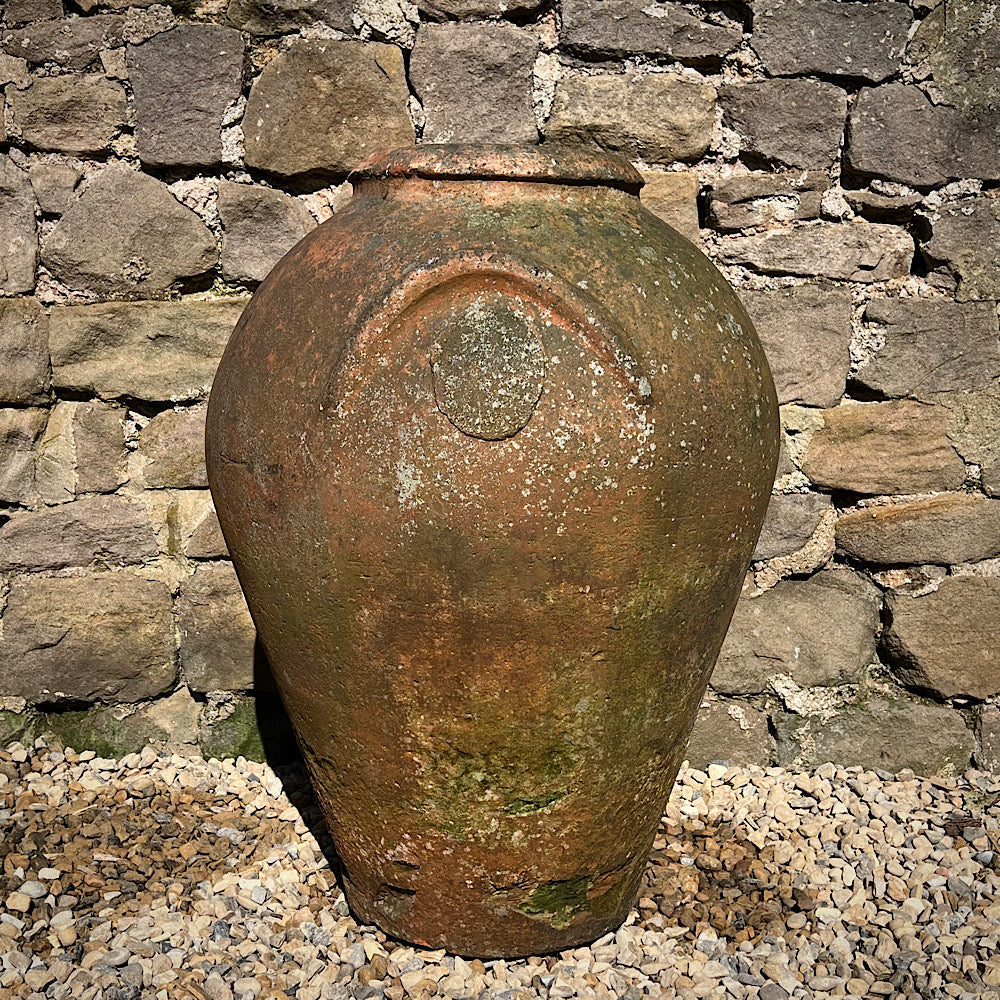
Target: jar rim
{"x": 550, "y": 163}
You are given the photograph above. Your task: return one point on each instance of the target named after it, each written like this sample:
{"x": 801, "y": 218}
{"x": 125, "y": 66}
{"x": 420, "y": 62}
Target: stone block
{"x": 24, "y": 352}
{"x": 205, "y": 540}
{"x": 172, "y": 446}
{"x": 74, "y": 43}
{"x": 857, "y": 251}
{"x": 883, "y": 207}
{"x": 673, "y": 197}
{"x": 116, "y": 731}
{"x": 988, "y": 754}
{"x": 148, "y": 350}
{"x": 862, "y": 41}
{"x": 458, "y": 10}
{"x": 106, "y": 637}
{"x": 819, "y": 631}
{"x": 82, "y": 451}
{"x": 79, "y": 115}
{"x": 321, "y": 107}
{"x": 14, "y": 70}
{"x": 730, "y": 732}
{"x": 897, "y": 447}
{"x": 19, "y": 434}
{"x": 966, "y": 54}
{"x": 127, "y": 235}
{"x": 217, "y": 632}
{"x": 107, "y": 530}
{"x": 279, "y": 17}
{"x": 789, "y": 523}
{"x": 184, "y": 80}
{"x": 965, "y": 247}
{"x": 795, "y": 122}
{"x": 619, "y": 29}
{"x": 260, "y": 225}
{"x": 657, "y": 117}
{"x": 892, "y": 735}
{"x": 895, "y": 132}
{"x": 18, "y": 233}
{"x": 25, "y": 11}
{"x": 946, "y": 642}
{"x": 931, "y": 345}
{"x": 475, "y": 82}
{"x": 945, "y": 529}
{"x": 758, "y": 199}
{"x": 806, "y": 333}
{"x": 99, "y": 443}
{"x": 54, "y": 185}
{"x": 973, "y": 418}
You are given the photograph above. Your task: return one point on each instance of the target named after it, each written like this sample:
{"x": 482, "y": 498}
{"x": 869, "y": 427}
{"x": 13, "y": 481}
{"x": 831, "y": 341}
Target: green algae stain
{"x": 523, "y": 806}
{"x": 559, "y": 902}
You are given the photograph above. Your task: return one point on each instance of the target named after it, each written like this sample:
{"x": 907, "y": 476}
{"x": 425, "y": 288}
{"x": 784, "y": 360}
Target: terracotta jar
{"x": 491, "y": 449}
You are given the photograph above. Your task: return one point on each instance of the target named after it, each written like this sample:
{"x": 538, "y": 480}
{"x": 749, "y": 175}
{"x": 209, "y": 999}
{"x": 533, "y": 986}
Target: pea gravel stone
{"x": 213, "y": 878}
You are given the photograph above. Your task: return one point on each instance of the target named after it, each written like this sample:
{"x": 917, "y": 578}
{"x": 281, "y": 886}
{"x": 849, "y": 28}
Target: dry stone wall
{"x": 839, "y": 161}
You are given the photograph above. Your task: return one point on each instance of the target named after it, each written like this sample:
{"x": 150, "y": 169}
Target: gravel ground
{"x": 166, "y": 876}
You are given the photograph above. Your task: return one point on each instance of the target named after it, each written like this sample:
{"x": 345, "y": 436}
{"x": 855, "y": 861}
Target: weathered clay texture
{"x": 501, "y": 416}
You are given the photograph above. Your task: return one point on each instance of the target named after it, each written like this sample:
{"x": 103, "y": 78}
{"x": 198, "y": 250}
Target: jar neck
{"x": 508, "y": 166}
{"x": 487, "y": 192}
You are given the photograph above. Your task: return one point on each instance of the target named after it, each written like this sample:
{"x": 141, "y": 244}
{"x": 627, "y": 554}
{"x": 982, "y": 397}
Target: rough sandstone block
{"x": 184, "y": 80}
{"x": 965, "y": 55}
{"x": 278, "y": 17}
{"x": 898, "y": 447}
{"x": 988, "y": 756}
{"x": 932, "y": 345}
{"x": 217, "y": 632}
{"x": 759, "y": 199}
{"x": 735, "y": 733}
{"x": 321, "y": 107}
{"x": 458, "y": 10}
{"x": 857, "y": 251}
{"x": 965, "y": 247}
{"x": 108, "y": 530}
{"x": 24, "y": 352}
{"x": 945, "y": 529}
{"x": 819, "y": 631}
{"x": 173, "y": 446}
{"x": 796, "y": 122}
{"x": 617, "y": 29}
{"x": 149, "y": 350}
{"x": 830, "y": 37}
{"x": 82, "y": 451}
{"x": 892, "y": 735}
{"x": 127, "y": 235}
{"x": 54, "y": 185}
{"x": 475, "y": 82}
{"x": 80, "y": 115}
{"x": 18, "y": 234}
{"x": 205, "y": 540}
{"x": 806, "y": 333}
{"x": 19, "y": 434}
{"x": 73, "y": 42}
{"x": 946, "y": 642}
{"x": 106, "y": 637}
{"x": 658, "y": 117}
{"x": 789, "y": 523}
{"x": 24, "y": 11}
{"x": 260, "y": 225}
{"x": 673, "y": 196}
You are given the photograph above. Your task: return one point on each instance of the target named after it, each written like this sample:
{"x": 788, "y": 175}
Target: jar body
{"x": 491, "y": 456}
